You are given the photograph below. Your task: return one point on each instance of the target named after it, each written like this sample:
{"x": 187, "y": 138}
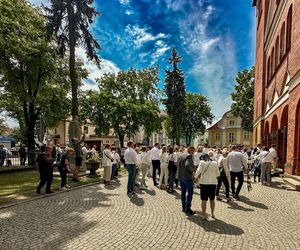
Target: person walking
{"x": 155, "y": 158}
{"x": 107, "y": 160}
{"x": 64, "y": 167}
{"x": 172, "y": 168}
{"x": 164, "y": 168}
{"x": 237, "y": 164}
{"x": 224, "y": 176}
{"x": 208, "y": 172}
{"x": 45, "y": 166}
{"x": 76, "y": 145}
{"x": 130, "y": 158}
{"x": 186, "y": 171}
{"x": 144, "y": 159}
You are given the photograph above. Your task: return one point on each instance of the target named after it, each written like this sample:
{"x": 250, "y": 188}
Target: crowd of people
{"x": 168, "y": 167}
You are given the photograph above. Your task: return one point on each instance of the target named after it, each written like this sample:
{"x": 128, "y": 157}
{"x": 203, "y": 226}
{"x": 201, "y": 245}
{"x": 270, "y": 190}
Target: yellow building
{"x": 229, "y": 131}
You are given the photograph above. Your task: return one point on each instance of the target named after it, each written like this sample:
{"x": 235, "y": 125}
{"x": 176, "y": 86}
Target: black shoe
{"x": 183, "y": 210}
{"x": 49, "y": 192}
{"x": 190, "y": 212}
{"x": 38, "y": 191}
{"x": 155, "y": 184}
{"x": 236, "y": 197}
{"x": 75, "y": 180}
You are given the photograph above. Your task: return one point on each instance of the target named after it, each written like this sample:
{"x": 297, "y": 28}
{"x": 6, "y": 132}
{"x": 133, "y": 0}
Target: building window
{"x": 289, "y": 29}
{"x": 282, "y": 41}
{"x": 246, "y": 135}
{"x": 86, "y": 129}
{"x": 218, "y": 137}
{"x": 277, "y": 59}
{"x": 231, "y": 122}
{"x": 231, "y": 137}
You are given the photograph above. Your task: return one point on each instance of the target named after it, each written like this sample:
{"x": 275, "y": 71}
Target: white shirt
{"x": 236, "y": 161}
{"x": 144, "y": 158}
{"x": 197, "y": 158}
{"x": 130, "y": 156}
{"x": 209, "y": 171}
{"x": 155, "y": 153}
{"x": 107, "y": 157}
{"x": 84, "y": 150}
{"x": 116, "y": 157}
{"x": 206, "y": 150}
{"x": 266, "y": 156}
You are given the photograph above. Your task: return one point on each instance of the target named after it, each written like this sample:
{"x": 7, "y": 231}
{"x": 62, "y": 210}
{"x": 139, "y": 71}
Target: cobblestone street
{"x": 98, "y": 217}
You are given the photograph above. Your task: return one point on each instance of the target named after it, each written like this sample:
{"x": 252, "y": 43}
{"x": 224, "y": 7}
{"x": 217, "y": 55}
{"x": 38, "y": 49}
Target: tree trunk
{"x": 121, "y": 139}
{"x": 72, "y": 44}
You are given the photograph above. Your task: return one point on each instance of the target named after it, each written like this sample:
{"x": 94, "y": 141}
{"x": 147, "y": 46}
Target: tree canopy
{"x": 175, "y": 95}
{"x": 132, "y": 90}
{"x": 242, "y": 97}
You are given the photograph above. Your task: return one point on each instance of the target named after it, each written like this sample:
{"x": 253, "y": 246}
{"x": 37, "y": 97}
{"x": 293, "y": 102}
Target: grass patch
{"x": 16, "y": 186}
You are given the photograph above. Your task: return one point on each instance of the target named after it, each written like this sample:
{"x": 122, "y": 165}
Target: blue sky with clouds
{"x": 215, "y": 37}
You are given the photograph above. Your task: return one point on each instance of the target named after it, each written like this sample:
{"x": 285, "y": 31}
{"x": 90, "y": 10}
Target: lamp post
{"x": 129, "y": 113}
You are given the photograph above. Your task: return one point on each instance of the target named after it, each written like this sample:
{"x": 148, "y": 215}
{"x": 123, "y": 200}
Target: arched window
{"x": 268, "y": 70}
{"x": 289, "y": 29}
{"x": 272, "y": 62}
{"x": 277, "y": 59}
{"x": 282, "y": 41}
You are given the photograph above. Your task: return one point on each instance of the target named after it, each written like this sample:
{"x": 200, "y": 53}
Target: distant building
{"x": 277, "y": 80}
{"x": 229, "y": 131}
{"x": 60, "y": 135}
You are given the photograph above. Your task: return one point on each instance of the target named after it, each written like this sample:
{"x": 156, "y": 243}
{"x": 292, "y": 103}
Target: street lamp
{"x": 129, "y": 113}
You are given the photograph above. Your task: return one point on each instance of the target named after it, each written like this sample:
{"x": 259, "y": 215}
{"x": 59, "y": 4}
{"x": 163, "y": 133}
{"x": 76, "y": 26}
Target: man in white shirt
{"x": 155, "y": 158}
{"x": 237, "y": 163}
{"x": 130, "y": 157}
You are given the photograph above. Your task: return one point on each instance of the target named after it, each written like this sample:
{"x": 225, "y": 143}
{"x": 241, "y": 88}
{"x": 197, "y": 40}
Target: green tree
{"x": 197, "y": 113}
{"x": 242, "y": 97}
{"x": 69, "y": 21}
{"x": 175, "y": 92}
{"x": 33, "y": 80}
{"x": 134, "y": 90}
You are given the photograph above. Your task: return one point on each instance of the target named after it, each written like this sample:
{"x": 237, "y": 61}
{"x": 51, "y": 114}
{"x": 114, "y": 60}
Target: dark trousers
{"x": 155, "y": 166}
{"x": 43, "y": 180}
{"x": 131, "y": 168}
{"x": 63, "y": 176}
{"x": 240, "y": 177}
{"x": 257, "y": 172}
{"x": 187, "y": 186}
{"x": 22, "y": 161}
{"x": 2, "y": 161}
{"x": 223, "y": 179}
{"x": 172, "y": 174}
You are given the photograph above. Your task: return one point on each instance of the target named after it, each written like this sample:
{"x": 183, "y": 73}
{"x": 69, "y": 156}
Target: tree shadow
{"x": 216, "y": 226}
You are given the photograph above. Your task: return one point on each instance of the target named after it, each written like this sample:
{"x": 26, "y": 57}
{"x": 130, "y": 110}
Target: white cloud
{"x": 128, "y": 12}
{"x": 141, "y": 35}
{"x": 175, "y": 5}
{"x": 214, "y": 65}
{"x": 160, "y": 49}
{"x": 124, "y": 2}
{"x": 106, "y": 67}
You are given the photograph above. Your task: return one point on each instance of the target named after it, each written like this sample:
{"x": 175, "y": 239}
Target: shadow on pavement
{"x": 216, "y": 226}
{"x": 253, "y": 203}
{"x": 137, "y": 201}
{"x": 236, "y": 206}
{"x": 150, "y": 191}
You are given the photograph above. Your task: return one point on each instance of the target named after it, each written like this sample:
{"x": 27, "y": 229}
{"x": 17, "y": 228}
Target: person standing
{"x": 224, "y": 176}
{"x": 58, "y": 153}
{"x": 209, "y": 172}
{"x": 186, "y": 169}
{"x": 64, "y": 167}
{"x": 22, "y": 154}
{"x": 144, "y": 158}
{"x": 76, "y": 145}
{"x": 45, "y": 165}
{"x": 164, "y": 167}
{"x": 267, "y": 158}
{"x": 2, "y": 155}
{"x": 107, "y": 160}
{"x": 155, "y": 158}
{"x": 115, "y": 163}
{"x": 130, "y": 158}
{"x": 172, "y": 168}
{"x": 197, "y": 155}
{"x": 237, "y": 164}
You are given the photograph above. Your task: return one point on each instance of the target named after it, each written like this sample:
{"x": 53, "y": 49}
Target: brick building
{"x": 277, "y": 78}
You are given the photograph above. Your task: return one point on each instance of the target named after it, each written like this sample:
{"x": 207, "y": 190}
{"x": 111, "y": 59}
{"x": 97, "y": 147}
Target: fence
{"x": 13, "y": 159}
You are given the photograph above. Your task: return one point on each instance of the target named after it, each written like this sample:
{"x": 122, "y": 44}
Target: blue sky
{"x": 216, "y": 39}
